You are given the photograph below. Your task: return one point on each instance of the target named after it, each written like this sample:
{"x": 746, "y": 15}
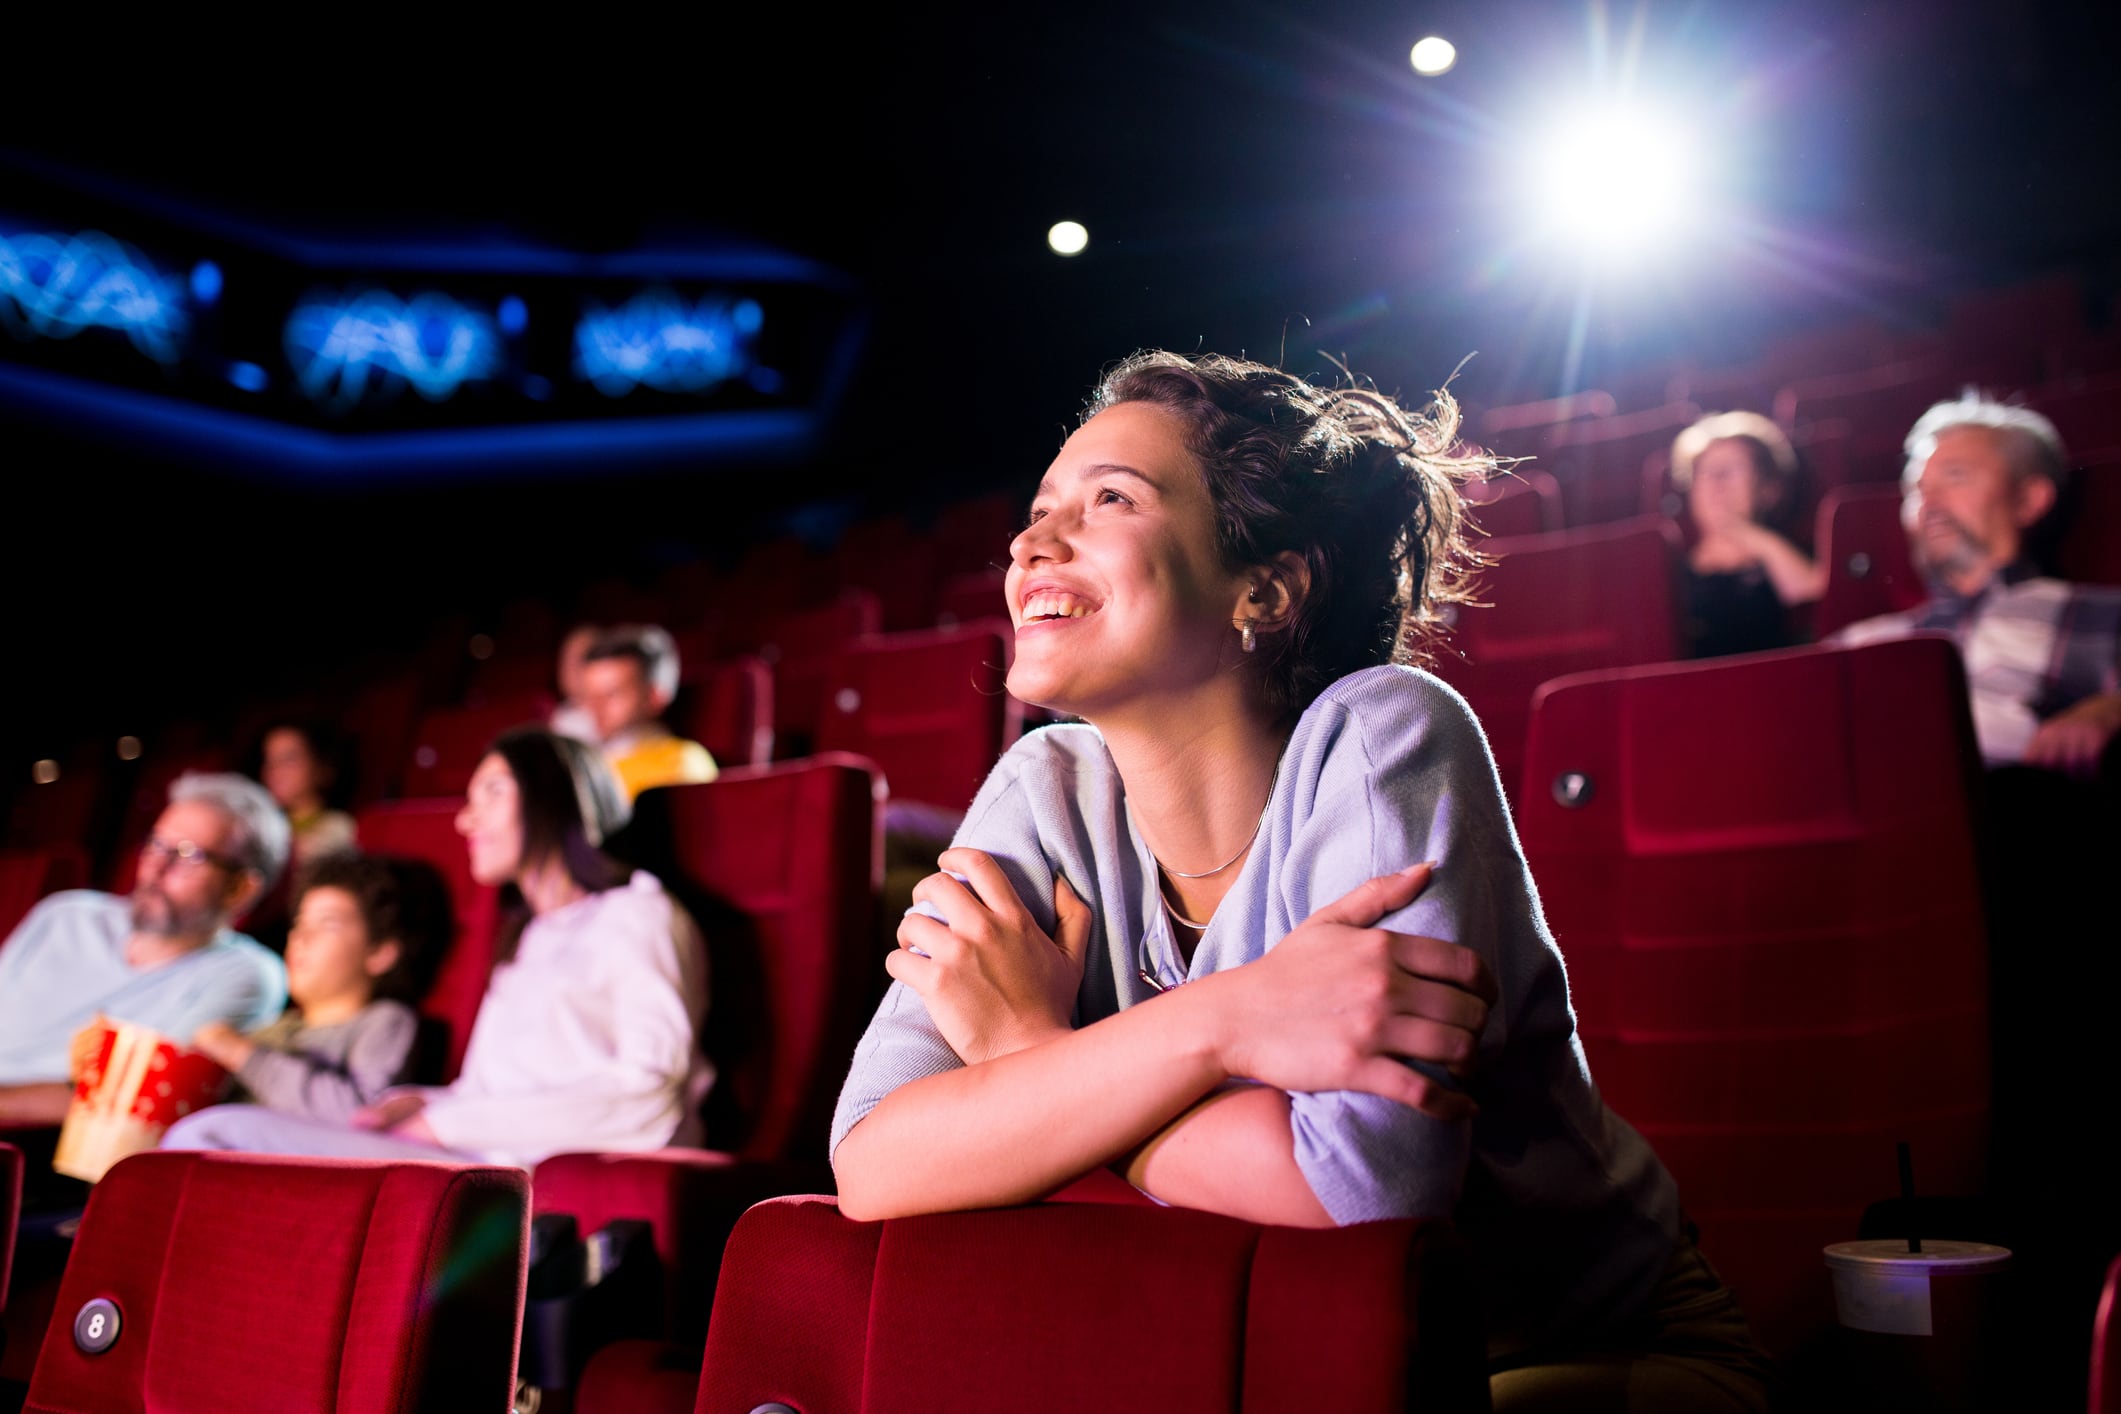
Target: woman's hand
{"x": 993, "y": 981}
{"x": 392, "y": 1111}
{"x": 1337, "y": 1002}
{"x": 223, "y": 1045}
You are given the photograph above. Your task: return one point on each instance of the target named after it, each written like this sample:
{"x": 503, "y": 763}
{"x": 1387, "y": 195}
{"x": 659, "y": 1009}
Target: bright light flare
{"x": 1433, "y": 56}
{"x": 1619, "y": 181}
{"x": 1068, "y": 238}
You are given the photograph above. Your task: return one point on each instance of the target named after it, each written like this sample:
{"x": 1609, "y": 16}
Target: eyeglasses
{"x": 185, "y": 854}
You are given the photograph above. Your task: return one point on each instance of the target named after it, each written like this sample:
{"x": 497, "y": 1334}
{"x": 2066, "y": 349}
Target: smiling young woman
{"x": 1256, "y": 933}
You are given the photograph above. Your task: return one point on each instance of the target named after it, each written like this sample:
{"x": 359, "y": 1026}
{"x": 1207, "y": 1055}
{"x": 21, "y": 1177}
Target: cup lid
{"x": 1938, "y": 1254}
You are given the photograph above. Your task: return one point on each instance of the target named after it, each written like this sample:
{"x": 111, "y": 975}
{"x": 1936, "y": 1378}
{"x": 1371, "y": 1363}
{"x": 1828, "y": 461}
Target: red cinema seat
{"x": 426, "y": 830}
{"x": 2091, "y": 544}
{"x": 782, "y": 867}
{"x": 449, "y": 742}
{"x": 2106, "y": 1346}
{"x": 928, "y": 707}
{"x": 1879, "y": 404}
{"x": 10, "y": 1214}
{"x": 27, "y": 875}
{"x": 1863, "y": 545}
{"x": 1071, "y": 1306}
{"x": 1555, "y": 604}
{"x": 236, "y": 1282}
{"x": 380, "y": 717}
{"x": 727, "y": 707}
{"x": 1526, "y": 429}
{"x": 2088, "y": 415}
{"x": 965, "y": 597}
{"x": 1599, "y": 464}
{"x": 801, "y": 647}
{"x": 1522, "y": 501}
{"x": 1761, "y": 871}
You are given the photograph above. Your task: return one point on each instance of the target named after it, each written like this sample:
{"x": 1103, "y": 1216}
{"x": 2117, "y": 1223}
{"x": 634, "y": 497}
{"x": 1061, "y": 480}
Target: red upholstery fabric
{"x": 784, "y": 865}
{"x": 1599, "y": 463}
{"x": 1771, "y": 916}
{"x": 449, "y": 743}
{"x": 639, "y": 1377}
{"x": 1863, "y": 545}
{"x": 727, "y": 707}
{"x": 1555, "y": 604}
{"x": 1879, "y": 403}
{"x": 426, "y": 830}
{"x": 10, "y": 1214}
{"x": 2088, "y": 415}
{"x": 966, "y": 597}
{"x": 2091, "y": 548}
{"x": 27, "y": 875}
{"x": 1526, "y": 501}
{"x": 380, "y": 717}
{"x": 801, "y": 647}
{"x": 2106, "y": 1346}
{"x": 691, "y": 1198}
{"x": 1070, "y": 1306}
{"x": 928, "y": 707}
{"x": 247, "y": 1283}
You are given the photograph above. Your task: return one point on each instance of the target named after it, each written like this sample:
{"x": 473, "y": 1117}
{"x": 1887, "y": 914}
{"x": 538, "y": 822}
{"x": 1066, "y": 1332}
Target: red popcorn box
{"x": 134, "y": 1085}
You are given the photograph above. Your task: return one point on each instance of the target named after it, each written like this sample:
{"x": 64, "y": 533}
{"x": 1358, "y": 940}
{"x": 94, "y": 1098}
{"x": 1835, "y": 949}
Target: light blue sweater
{"x": 1572, "y": 1217}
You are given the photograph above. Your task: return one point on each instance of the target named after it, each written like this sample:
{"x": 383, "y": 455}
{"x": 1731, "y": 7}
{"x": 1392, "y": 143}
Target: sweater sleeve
{"x": 634, "y": 1045}
{"x": 324, "y": 1087}
{"x": 1405, "y": 777}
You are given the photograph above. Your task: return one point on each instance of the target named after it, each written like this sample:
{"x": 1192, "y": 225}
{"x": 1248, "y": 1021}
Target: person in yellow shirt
{"x": 628, "y": 681}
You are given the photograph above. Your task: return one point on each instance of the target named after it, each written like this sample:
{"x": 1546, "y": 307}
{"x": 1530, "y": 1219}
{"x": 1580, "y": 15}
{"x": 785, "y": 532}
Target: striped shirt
{"x": 2032, "y": 647}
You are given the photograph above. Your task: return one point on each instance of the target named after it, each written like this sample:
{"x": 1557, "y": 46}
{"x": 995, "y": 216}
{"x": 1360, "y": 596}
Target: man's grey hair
{"x": 2035, "y": 446}
{"x": 652, "y": 647}
{"x": 260, "y": 837}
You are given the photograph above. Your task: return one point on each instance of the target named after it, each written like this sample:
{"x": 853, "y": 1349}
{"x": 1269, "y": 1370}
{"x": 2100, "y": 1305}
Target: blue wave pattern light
{"x": 658, "y": 340}
{"x": 344, "y": 350}
{"x": 54, "y": 286}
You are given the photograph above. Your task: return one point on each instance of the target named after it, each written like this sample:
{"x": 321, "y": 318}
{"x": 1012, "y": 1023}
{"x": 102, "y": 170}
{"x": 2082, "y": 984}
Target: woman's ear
{"x": 1279, "y": 588}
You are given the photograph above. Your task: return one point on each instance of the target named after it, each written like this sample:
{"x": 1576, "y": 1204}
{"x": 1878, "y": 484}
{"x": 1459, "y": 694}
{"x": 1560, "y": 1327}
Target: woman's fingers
{"x": 1371, "y": 900}
{"x": 1393, "y": 1081}
{"x": 1071, "y": 919}
{"x": 948, "y": 897}
{"x": 985, "y": 879}
{"x": 1449, "y": 963}
{"x": 919, "y": 931}
{"x": 1462, "y": 1012}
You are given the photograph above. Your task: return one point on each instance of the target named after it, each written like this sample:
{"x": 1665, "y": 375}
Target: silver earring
{"x": 1248, "y": 638}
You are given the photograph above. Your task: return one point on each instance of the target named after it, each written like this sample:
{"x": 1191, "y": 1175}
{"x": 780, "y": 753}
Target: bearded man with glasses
{"x": 165, "y": 958}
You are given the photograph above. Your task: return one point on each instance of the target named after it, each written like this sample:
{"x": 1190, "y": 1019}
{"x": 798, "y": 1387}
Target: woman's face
{"x": 1117, "y": 591}
{"x": 491, "y": 822}
{"x": 1726, "y": 485}
{"x": 291, "y": 770}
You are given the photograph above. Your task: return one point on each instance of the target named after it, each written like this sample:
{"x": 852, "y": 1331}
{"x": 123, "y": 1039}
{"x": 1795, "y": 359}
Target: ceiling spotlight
{"x": 1433, "y": 56}
{"x": 1068, "y": 238}
{"x": 1617, "y": 180}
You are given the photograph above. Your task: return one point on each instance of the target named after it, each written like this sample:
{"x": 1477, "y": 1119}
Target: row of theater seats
{"x": 1775, "y": 979}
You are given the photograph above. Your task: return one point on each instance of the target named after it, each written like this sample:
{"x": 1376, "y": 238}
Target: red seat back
{"x": 243, "y": 1282}
{"x": 2088, "y": 414}
{"x": 1555, "y": 604}
{"x": 1863, "y": 545}
{"x": 781, "y": 867}
{"x": 927, "y": 707}
{"x": 1761, "y": 872}
{"x": 449, "y": 742}
{"x": 977, "y": 595}
{"x": 10, "y": 1215}
{"x": 727, "y": 707}
{"x": 2106, "y": 1346}
{"x": 801, "y": 647}
{"x": 1064, "y": 1307}
{"x": 1525, "y": 501}
{"x": 426, "y": 830}
{"x": 2091, "y": 545}
{"x": 1599, "y": 464}
{"x": 27, "y": 875}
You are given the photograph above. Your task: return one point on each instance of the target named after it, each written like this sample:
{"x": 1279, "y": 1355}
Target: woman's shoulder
{"x": 1390, "y": 697}
{"x": 1062, "y": 750}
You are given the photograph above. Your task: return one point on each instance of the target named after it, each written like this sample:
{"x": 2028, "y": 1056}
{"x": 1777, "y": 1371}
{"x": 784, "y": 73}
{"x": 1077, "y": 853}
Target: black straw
{"x": 1907, "y": 1196}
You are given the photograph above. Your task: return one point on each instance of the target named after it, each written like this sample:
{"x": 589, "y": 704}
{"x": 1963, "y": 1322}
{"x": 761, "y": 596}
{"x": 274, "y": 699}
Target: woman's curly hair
{"x": 1363, "y": 490}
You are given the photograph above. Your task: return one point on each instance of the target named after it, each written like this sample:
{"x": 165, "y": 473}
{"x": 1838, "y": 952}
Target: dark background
{"x": 1272, "y": 180}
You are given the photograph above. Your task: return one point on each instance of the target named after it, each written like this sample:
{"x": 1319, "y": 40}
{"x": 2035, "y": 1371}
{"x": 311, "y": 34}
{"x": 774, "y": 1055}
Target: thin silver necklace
{"x": 1211, "y": 873}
